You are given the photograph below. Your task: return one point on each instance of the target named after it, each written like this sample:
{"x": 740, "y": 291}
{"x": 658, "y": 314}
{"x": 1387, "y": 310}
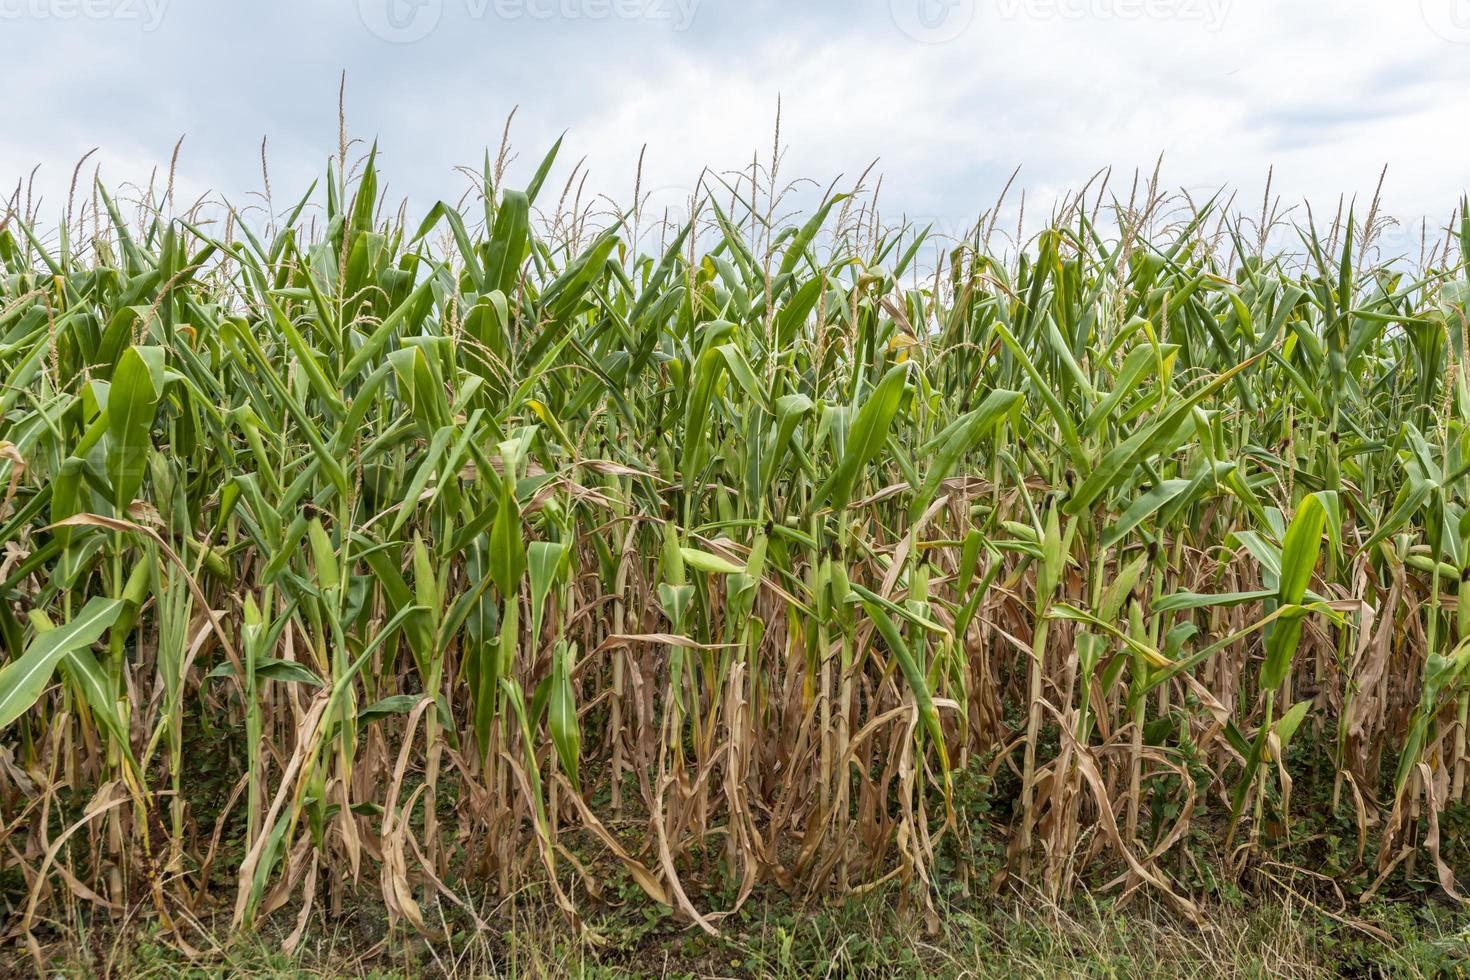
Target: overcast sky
{"x": 948, "y": 95}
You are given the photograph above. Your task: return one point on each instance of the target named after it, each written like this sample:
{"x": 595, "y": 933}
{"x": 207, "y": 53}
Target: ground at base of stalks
{"x": 1011, "y": 936}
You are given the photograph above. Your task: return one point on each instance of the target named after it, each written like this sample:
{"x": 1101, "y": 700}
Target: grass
{"x": 1018, "y": 938}
{"x": 660, "y": 563}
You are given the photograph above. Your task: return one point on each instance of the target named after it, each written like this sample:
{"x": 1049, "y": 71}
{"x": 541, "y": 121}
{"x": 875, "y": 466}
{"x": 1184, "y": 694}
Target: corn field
{"x": 532, "y": 544}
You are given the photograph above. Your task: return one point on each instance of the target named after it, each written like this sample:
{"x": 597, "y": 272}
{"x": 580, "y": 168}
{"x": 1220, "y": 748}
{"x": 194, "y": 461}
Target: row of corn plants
{"x": 505, "y": 546}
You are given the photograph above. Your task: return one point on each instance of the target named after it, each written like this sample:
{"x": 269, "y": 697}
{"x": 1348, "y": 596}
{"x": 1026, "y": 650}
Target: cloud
{"x": 949, "y": 95}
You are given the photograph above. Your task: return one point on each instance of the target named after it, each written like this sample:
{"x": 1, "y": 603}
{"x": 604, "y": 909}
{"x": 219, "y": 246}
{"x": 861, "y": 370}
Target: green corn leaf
{"x": 132, "y": 403}
{"x": 869, "y": 432}
{"x": 23, "y": 679}
{"x": 913, "y": 674}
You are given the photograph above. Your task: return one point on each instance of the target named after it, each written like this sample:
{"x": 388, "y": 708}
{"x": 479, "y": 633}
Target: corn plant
{"x": 461, "y": 544}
